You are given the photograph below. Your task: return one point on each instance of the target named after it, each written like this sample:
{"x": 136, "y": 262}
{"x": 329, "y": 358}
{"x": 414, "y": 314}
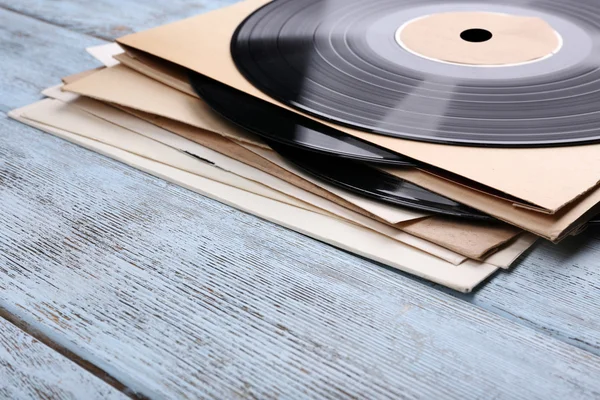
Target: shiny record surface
{"x": 339, "y": 60}
{"x": 287, "y": 127}
{"x": 371, "y": 182}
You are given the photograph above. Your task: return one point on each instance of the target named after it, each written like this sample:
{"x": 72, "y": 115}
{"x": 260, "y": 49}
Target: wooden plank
{"x": 30, "y": 370}
{"x": 177, "y": 295}
{"x": 554, "y": 290}
{"x": 36, "y": 55}
{"x": 109, "y": 19}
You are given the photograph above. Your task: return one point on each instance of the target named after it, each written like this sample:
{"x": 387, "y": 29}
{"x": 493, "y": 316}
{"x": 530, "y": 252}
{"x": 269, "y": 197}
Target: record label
{"x": 482, "y": 39}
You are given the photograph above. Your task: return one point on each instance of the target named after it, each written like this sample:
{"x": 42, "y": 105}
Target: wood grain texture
{"x": 174, "y": 294}
{"x": 110, "y": 19}
{"x": 30, "y": 370}
{"x": 554, "y": 289}
{"x": 36, "y": 55}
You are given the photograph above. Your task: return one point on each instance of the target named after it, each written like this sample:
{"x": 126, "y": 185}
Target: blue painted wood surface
{"x": 108, "y": 19}
{"x": 212, "y": 298}
{"x": 36, "y": 55}
{"x": 176, "y": 295}
{"x": 30, "y": 370}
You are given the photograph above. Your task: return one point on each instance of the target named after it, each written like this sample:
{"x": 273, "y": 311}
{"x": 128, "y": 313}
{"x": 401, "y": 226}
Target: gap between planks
{"x": 91, "y": 368}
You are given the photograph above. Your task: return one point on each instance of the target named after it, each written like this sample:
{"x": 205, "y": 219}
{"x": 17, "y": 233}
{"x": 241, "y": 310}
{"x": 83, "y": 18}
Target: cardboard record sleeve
{"x": 548, "y": 178}
{"x": 120, "y": 85}
{"x": 105, "y": 133}
{"x": 463, "y": 277}
{"x": 472, "y": 240}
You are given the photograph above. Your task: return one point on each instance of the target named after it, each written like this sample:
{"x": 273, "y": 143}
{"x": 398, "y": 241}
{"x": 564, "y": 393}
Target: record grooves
{"x": 339, "y": 164}
{"x": 344, "y": 61}
{"x": 371, "y": 182}
{"x": 286, "y": 127}
{"x": 339, "y": 60}
{"x": 281, "y": 126}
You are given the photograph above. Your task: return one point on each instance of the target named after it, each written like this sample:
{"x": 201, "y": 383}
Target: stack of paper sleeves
{"x": 139, "y": 109}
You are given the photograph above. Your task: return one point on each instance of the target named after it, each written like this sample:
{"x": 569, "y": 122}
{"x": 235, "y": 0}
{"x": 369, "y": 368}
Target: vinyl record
{"x": 347, "y": 61}
{"x": 283, "y": 126}
{"x": 371, "y": 182}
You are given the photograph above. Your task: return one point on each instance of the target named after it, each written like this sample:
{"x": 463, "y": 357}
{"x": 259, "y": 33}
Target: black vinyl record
{"x": 283, "y": 126}
{"x": 340, "y": 60}
{"x": 371, "y": 182}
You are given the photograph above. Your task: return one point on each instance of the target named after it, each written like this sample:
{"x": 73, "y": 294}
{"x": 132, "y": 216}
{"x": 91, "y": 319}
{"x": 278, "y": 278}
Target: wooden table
{"x": 114, "y": 283}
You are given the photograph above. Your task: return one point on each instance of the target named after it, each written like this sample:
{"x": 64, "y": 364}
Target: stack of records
{"x": 442, "y": 139}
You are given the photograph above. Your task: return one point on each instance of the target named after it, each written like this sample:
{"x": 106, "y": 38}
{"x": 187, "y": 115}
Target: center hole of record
{"x": 476, "y": 35}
